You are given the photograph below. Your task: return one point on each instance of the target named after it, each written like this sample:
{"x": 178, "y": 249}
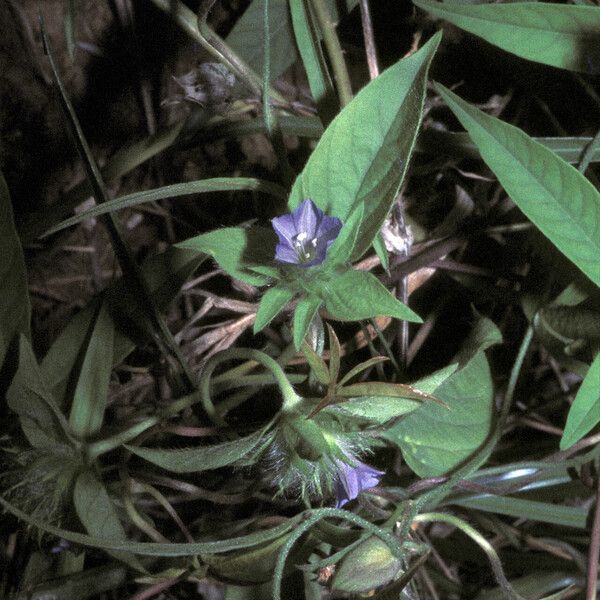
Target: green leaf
{"x": 363, "y": 155}
{"x": 97, "y": 514}
{"x": 237, "y": 248}
{"x": 28, "y": 395}
{"x": 384, "y": 389}
{"x": 246, "y": 37}
{"x": 315, "y": 65}
{"x": 91, "y": 391}
{"x": 271, "y": 304}
{"x": 557, "y": 198}
{"x": 584, "y": 413}
{"x": 435, "y": 440}
{"x": 201, "y": 458}
{"x": 317, "y": 364}
{"x": 14, "y": 302}
{"x": 376, "y": 410}
{"x": 303, "y": 315}
{"x": 553, "y": 34}
{"x": 357, "y": 295}
{"x": 341, "y": 250}
{"x": 217, "y": 184}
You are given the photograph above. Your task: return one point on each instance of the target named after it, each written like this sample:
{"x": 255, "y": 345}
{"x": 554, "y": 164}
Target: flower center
{"x": 305, "y": 248}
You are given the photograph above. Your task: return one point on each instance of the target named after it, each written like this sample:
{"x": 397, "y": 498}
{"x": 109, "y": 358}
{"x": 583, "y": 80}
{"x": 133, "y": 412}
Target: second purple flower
{"x": 305, "y": 235}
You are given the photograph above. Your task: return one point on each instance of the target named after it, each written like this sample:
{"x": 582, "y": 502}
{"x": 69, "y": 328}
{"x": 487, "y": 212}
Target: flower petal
{"x": 353, "y": 480}
{"x": 285, "y": 228}
{"x": 285, "y": 253}
{"x": 307, "y": 218}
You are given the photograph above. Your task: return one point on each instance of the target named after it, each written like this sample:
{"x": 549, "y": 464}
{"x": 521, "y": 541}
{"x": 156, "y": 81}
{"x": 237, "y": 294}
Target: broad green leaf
{"x": 97, "y": 514}
{"x": 246, "y": 37}
{"x": 91, "y": 390}
{"x": 154, "y": 549}
{"x": 432, "y": 382}
{"x": 357, "y": 295}
{"x": 201, "y": 458}
{"x": 553, "y": 34}
{"x": 584, "y": 413}
{"x": 303, "y": 315}
{"x": 376, "y": 410}
{"x": 363, "y": 155}
{"x": 28, "y": 395}
{"x": 383, "y": 389}
{"x": 557, "y": 198}
{"x": 271, "y": 304}
{"x": 165, "y": 273}
{"x": 341, "y": 250}
{"x": 237, "y": 248}
{"x": 436, "y": 439}
{"x": 14, "y": 301}
{"x": 177, "y": 190}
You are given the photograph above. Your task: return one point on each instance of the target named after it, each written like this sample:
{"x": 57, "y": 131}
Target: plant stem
{"x": 334, "y": 50}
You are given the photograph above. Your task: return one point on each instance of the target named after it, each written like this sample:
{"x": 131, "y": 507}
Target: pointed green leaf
{"x": 28, "y": 395}
{"x": 237, "y": 248}
{"x": 557, "y": 198}
{"x": 201, "y": 458}
{"x": 317, "y": 364}
{"x": 97, "y": 513}
{"x": 303, "y": 315}
{"x": 435, "y": 439}
{"x": 91, "y": 391}
{"x": 584, "y": 413}
{"x": 363, "y": 366}
{"x": 357, "y": 295}
{"x": 246, "y": 37}
{"x": 363, "y": 155}
{"x": 385, "y": 389}
{"x": 553, "y": 34}
{"x": 14, "y": 300}
{"x": 335, "y": 353}
{"x": 375, "y": 410}
{"x": 341, "y": 250}
{"x": 271, "y": 304}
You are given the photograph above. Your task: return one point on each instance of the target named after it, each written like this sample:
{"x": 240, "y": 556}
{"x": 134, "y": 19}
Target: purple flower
{"x": 305, "y": 235}
{"x": 353, "y": 480}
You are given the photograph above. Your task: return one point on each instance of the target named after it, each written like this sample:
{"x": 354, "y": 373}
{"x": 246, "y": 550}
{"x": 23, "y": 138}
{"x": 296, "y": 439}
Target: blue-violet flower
{"x": 305, "y": 235}
{"x": 353, "y": 480}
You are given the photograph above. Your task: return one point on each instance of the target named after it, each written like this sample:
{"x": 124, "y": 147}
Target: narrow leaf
{"x": 384, "y": 389}
{"x": 97, "y": 514}
{"x": 303, "y": 315}
{"x": 343, "y": 302}
{"x": 363, "y": 155}
{"x": 553, "y": 34}
{"x": 202, "y": 458}
{"x": 335, "y": 353}
{"x": 557, "y": 198}
{"x": 584, "y": 413}
{"x": 376, "y": 410}
{"x": 91, "y": 391}
{"x": 317, "y": 364}
{"x": 271, "y": 304}
{"x": 371, "y": 362}
{"x": 14, "y": 301}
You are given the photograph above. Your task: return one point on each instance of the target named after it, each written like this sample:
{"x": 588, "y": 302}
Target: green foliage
{"x": 201, "y": 458}
{"x": 91, "y": 390}
{"x": 271, "y": 304}
{"x": 584, "y": 413}
{"x": 14, "y": 304}
{"x": 28, "y": 395}
{"x": 559, "y": 200}
{"x": 98, "y": 515}
{"x": 362, "y": 157}
{"x": 344, "y": 303}
{"x": 435, "y": 439}
{"x": 553, "y": 34}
